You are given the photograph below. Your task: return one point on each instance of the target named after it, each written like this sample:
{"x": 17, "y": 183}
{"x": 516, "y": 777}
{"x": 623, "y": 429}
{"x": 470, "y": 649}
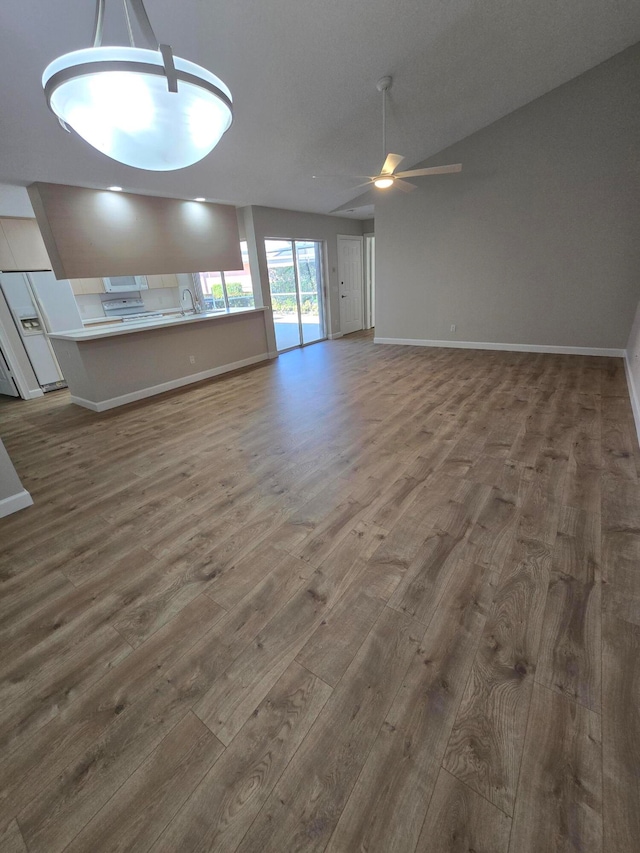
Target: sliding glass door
{"x": 295, "y": 279}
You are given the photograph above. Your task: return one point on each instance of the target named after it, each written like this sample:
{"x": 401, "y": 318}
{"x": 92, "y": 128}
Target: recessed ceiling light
{"x": 200, "y": 198}
{"x": 116, "y": 189}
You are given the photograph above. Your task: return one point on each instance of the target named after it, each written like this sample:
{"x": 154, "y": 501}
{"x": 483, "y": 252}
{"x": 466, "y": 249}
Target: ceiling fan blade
{"x": 391, "y": 163}
{"x": 405, "y": 186}
{"x": 345, "y": 177}
{"x": 432, "y": 170}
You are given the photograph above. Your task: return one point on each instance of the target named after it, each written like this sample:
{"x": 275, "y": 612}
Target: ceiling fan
{"x": 388, "y": 176}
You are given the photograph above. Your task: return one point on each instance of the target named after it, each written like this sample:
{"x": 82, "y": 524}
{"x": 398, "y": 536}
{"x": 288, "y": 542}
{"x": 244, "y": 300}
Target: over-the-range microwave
{"x": 121, "y": 283}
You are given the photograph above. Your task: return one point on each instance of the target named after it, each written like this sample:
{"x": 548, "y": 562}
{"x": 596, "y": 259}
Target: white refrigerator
{"x": 39, "y": 304}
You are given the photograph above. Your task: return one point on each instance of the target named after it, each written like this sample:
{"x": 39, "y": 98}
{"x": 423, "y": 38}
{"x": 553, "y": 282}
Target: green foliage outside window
{"x": 282, "y": 281}
{"x": 237, "y": 297}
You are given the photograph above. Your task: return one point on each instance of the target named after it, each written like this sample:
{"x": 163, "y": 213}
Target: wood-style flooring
{"x": 361, "y": 598}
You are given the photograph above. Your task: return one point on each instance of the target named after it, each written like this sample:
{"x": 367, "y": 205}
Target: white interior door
{"x": 351, "y": 284}
{"x": 7, "y": 385}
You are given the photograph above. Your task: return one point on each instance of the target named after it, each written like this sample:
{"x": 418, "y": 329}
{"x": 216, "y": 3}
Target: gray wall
{"x": 269, "y": 222}
{"x": 537, "y": 241}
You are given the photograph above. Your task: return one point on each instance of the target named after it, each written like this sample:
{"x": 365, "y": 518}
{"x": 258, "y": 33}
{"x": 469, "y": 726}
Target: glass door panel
{"x": 284, "y": 302}
{"x": 295, "y": 281}
{"x": 309, "y": 269}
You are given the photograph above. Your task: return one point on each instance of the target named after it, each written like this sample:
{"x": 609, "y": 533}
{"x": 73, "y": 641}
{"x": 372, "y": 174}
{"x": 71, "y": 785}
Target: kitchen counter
{"x": 110, "y": 328}
{"x": 117, "y": 363}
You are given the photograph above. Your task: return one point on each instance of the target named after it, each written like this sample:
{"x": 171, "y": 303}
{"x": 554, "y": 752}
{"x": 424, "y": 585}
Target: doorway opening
{"x": 369, "y": 281}
{"x": 296, "y": 285}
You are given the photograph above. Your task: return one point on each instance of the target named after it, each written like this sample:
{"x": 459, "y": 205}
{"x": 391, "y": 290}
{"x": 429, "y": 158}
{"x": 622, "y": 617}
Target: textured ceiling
{"x": 303, "y": 78}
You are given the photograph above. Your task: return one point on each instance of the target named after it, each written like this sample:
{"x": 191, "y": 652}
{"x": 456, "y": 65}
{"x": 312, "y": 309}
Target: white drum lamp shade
{"x": 145, "y": 108}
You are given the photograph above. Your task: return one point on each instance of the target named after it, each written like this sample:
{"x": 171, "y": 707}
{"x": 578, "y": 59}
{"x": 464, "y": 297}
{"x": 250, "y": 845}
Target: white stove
{"x": 117, "y": 308}
{"x": 128, "y": 310}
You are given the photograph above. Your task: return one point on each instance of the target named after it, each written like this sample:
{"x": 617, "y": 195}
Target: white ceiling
{"x": 303, "y": 75}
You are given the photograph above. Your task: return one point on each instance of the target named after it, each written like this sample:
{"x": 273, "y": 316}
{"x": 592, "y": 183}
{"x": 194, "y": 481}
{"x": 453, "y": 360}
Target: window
{"x": 228, "y": 290}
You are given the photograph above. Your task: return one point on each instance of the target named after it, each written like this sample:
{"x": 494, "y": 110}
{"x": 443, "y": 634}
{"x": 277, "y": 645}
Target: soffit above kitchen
{"x": 303, "y": 79}
{"x": 101, "y": 233}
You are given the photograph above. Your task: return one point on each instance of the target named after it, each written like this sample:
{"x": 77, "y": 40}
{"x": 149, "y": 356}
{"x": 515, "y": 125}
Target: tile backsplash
{"x": 89, "y": 305}
{"x": 160, "y": 299}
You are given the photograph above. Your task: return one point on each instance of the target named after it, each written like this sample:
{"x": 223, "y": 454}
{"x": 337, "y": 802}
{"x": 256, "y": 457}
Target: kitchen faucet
{"x": 196, "y": 309}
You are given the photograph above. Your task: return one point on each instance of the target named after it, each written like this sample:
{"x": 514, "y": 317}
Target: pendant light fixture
{"x": 144, "y": 107}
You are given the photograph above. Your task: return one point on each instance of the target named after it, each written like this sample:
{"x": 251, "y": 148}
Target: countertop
{"x": 120, "y": 328}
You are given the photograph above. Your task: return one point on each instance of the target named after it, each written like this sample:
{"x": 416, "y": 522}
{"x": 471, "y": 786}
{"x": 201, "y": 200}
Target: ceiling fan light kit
{"x": 388, "y": 176}
{"x": 143, "y": 107}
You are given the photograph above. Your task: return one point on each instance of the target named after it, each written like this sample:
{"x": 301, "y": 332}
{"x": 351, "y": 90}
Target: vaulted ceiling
{"x": 303, "y": 75}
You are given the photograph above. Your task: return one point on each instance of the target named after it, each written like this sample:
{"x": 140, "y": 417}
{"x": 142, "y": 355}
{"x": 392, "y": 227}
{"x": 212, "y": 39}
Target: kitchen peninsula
{"x": 110, "y": 365}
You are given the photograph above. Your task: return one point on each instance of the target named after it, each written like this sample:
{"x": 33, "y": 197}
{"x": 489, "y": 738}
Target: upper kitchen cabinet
{"x": 21, "y": 246}
{"x": 82, "y": 286}
{"x": 157, "y": 281}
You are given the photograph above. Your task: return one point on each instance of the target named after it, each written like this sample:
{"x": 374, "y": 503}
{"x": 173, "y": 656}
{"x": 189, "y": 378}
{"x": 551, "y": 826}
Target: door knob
{"x": 343, "y": 296}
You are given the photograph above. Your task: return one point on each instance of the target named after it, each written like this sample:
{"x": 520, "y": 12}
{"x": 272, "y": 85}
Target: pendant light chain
{"x": 137, "y": 7}
{"x": 132, "y": 41}
{"x": 140, "y": 13}
{"x": 99, "y": 24}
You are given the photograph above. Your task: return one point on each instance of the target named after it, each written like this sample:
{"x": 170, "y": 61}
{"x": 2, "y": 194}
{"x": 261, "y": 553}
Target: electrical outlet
{"x": 192, "y": 359}
{"x": 453, "y": 327}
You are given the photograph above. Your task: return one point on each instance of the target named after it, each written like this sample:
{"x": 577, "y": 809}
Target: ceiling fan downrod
{"x": 383, "y": 85}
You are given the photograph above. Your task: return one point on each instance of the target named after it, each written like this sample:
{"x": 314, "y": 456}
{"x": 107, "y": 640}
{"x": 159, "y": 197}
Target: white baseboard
{"x": 633, "y": 396}
{"x": 33, "y": 394}
{"x": 335, "y": 336}
{"x": 610, "y": 353}
{"x": 113, "y": 402}
{"x": 15, "y": 502}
